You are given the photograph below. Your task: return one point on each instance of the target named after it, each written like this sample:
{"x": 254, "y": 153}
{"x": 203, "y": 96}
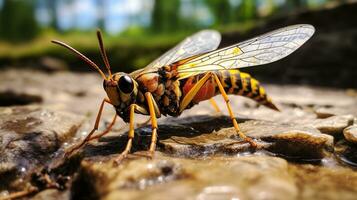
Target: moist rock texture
{"x": 30, "y": 136}
{"x": 306, "y": 151}
{"x": 246, "y": 177}
{"x": 211, "y": 178}
{"x": 350, "y": 133}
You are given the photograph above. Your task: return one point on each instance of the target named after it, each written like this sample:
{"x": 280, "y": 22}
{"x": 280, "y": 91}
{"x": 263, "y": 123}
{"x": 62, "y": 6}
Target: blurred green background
{"x": 138, "y": 31}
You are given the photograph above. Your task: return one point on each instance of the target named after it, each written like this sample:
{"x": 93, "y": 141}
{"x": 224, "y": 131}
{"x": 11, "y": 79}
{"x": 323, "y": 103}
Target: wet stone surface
{"x": 333, "y": 125}
{"x": 241, "y": 177}
{"x": 291, "y": 140}
{"x": 193, "y": 179}
{"x": 350, "y": 133}
{"x": 30, "y": 136}
{"x": 306, "y": 151}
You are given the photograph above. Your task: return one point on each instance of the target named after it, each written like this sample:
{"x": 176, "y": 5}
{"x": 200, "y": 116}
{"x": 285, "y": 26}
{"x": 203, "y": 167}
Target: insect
{"x": 191, "y": 72}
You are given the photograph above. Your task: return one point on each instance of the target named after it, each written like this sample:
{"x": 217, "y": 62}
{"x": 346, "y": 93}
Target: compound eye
{"x": 126, "y": 84}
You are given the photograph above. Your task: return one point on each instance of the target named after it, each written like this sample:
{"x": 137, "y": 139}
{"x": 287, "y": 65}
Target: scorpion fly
{"x": 191, "y": 72}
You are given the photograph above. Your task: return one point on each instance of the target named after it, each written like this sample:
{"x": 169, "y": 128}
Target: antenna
{"x": 103, "y": 53}
{"x": 81, "y": 56}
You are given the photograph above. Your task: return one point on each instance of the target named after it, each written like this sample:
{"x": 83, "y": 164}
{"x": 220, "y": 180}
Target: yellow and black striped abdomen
{"x": 240, "y": 83}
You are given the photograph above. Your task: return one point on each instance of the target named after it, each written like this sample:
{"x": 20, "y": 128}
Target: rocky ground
{"x": 308, "y": 149}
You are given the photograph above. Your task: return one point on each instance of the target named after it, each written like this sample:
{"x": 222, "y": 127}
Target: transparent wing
{"x": 261, "y": 50}
{"x": 201, "y": 42}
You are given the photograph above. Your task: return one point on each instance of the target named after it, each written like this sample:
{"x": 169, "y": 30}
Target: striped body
{"x": 168, "y": 91}
{"x": 234, "y": 82}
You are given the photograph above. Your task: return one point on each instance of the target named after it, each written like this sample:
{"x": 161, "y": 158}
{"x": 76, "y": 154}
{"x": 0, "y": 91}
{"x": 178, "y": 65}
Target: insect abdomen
{"x": 233, "y": 81}
{"x": 240, "y": 83}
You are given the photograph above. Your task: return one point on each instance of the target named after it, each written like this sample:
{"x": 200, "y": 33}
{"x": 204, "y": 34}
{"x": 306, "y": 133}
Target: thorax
{"x": 164, "y": 87}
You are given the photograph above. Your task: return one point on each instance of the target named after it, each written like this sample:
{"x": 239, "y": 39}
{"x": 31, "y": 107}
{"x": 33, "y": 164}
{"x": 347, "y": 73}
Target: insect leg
{"x": 107, "y": 130}
{"x": 193, "y": 91}
{"x": 235, "y": 123}
{"x": 20, "y": 194}
{"x": 214, "y": 104}
{"x": 96, "y": 125}
{"x": 152, "y": 111}
{"x": 130, "y": 135}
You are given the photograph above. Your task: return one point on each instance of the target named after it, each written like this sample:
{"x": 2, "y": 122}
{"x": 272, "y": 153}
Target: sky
{"x": 83, "y": 14}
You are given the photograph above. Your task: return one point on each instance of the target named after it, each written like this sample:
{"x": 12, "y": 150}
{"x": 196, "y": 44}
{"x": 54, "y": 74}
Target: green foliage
{"x": 247, "y": 10}
{"x": 126, "y": 52}
{"x": 220, "y": 10}
{"x": 165, "y": 16}
{"x": 17, "y": 20}
{"x": 290, "y": 5}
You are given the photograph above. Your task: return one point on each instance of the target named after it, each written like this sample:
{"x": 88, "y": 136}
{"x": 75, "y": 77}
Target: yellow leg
{"x": 96, "y": 125}
{"x": 214, "y": 104}
{"x": 235, "y": 123}
{"x": 125, "y": 153}
{"x": 152, "y": 112}
{"x": 107, "y": 130}
{"x": 20, "y": 194}
{"x": 192, "y": 93}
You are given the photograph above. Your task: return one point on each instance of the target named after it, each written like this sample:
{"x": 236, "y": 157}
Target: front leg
{"x": 125, "y": 153}
{"x": 96, "y": 125}
{"x": 106, "y": 131}
{"x": 133, "y": 108}
{"x": 151, "y": 104}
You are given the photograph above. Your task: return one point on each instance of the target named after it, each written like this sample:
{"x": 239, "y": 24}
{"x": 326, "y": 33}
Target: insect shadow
{"x": 183, "y": 127}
